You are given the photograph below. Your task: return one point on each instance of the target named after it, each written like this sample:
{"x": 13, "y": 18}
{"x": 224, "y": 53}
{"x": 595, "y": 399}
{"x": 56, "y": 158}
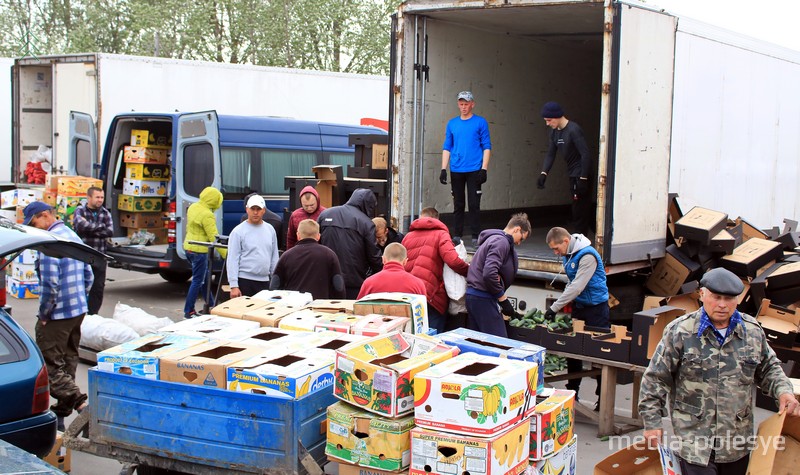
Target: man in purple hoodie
{"x": 491, "y": 273}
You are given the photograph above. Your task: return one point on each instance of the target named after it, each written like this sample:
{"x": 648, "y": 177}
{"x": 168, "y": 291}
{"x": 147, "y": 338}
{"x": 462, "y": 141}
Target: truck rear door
{"x": 82, "y": 151}
{"x": 196, "y": 165}
{"x": 637, "y": 167}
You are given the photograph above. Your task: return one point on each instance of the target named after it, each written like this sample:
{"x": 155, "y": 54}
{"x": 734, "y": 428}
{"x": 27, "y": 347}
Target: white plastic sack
{"x": 456, "y": 285}
{"x": 142, "y": 322}
{"x": 100, "y": 333}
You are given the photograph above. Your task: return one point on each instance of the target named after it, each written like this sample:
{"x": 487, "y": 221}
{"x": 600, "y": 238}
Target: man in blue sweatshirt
{"x": 252, "y": 251}
{"x": 467, "y": 149}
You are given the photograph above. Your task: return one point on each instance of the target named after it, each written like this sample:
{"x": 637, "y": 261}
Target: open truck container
{"x": 667, "y": 104}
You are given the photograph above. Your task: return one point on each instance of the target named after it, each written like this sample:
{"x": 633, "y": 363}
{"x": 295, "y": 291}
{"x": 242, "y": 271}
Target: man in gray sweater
{"x": 252, "y": 251}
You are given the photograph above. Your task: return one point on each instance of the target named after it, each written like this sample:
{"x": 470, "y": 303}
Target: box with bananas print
{"x": 443, "y": 453}
{"x": 475, "y": 394}
{"x": 283, "y": 373}
{"x": 205, "y": 364}
{"x": 552, "y": 424}
{"x": 565, "y": 462}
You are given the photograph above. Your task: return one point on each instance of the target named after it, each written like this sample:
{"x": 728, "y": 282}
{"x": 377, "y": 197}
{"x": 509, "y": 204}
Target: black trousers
{"x": 250, "y": 287}
{"x": 594, "y": 316}
{"x": 738, "y": 467}
{"x": 58, "y": 340}
{"x": 582, "y": 218}
{"x": 458, "y": 182}
{"x": 98, "y": 287}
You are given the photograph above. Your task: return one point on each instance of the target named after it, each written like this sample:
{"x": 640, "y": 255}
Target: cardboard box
{"x": 148, "y": 155}
{"x": 773, "y": 454}
{"x": 66, "y": 206}
{"x": 671, "y": 272}
{"x": 236, "y": 308}
{"x": 22, "y": 272}
{"x": 700, "y": 224}
{"x": 72, "y": 185}
{"x": 20, "y": 289}
{"x": 569, "y": 340}
{"x": 50, "y": 197}
{"x": 302, "y": 320}
{"x": 527, "y": 335}
{"x": 337, "y": 322}
{"x": 289, "y": 298}
{"x": 332, "y": 306}
{"x": 564, "y": 462}
{"x": 20, "y": 197}
{"x": 139, "y": 204}
{"x": 377, "y": 374}
{"x": 269, "y": 315}
{"x": 781, "y": 326}
{"x": 326, "y": 340}
{"x": 60, "y": 456}
{"x": 140, "y": 357}
{"x": 396, "y": 304}
{"x": 552, "y": 424}
{"x": 648, "y": 328}
{"x": 211, "y": 327}
{"x": 473, "y": 341}
{"x": 146, "y": 171}
{"x": 641, "y": 460}
{"x": 475, "y": 394}
{"x": 361, "y": 438}
{"x": 786, "y": 275}
{"x": 27, "y": 257}
{"x": 160, "y": 234}
{"x": 144, "y": 188}
{"x": 443, "y": 453}
{"x": 612, "y": 345}
{"x": 205, "y": 364}
{"x": 374, "y": 325}
{"x": 268, "y": 337}
{"x": 145, "y": 138}
{"x": 283, "y": 373}
{"x": 723, "y": 242}
{"x": 751, "y": 256}
{"x": 9, "y": 214}
{"x": 141, "y": 220}
{"x": 380, "y": 156}
{"x": 749, "y": 231}
{"x": 350, "y": 469}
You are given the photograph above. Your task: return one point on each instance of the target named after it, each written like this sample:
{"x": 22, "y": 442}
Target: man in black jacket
{"x": 348, "y": 231}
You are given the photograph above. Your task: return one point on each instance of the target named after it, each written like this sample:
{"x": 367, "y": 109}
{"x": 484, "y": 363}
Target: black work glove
{"x": 443, "y": 177}
{"x": 541, "y": 180}
{"x": 507, "y": 309}
{"x": 482, "y": 176}
{"x": 550, "y": 314}
{"x": 456, "y": 241}
{"x": 582, "y": 187}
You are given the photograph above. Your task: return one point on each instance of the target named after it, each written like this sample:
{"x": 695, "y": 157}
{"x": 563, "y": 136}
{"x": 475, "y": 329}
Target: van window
{"x": 343, "y": 159}
{"x": 235, "y": 170}
{"x": 83, "y": 158}
{"x": 198, "y": 168}
{"x": 277, "y": 164}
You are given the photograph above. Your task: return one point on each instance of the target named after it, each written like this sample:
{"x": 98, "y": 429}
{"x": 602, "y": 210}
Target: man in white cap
{"x": 708, "y": 362}
{"x": 252, "y": 251}
{"x": 467, "y": 148}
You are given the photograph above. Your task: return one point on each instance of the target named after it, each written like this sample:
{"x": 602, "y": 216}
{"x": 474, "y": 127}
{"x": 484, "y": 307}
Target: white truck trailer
{"x": 5, "y": 119}
{"x": 667, "y": 104}
{"x": 47, "y": 88}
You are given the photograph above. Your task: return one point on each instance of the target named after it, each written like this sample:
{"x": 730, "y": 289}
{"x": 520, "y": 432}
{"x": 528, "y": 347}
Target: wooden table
{"x": 608, "y": 423}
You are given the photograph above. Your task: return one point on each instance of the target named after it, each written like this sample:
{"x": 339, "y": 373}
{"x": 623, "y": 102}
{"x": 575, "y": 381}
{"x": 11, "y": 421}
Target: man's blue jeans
{"x": 199, "y": 262}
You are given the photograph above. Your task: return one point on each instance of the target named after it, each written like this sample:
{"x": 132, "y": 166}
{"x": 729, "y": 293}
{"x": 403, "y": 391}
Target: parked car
{"x": 25, "y": 417}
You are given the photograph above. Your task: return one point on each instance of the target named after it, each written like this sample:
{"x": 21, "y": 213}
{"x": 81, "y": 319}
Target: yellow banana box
{"x": 552, "y": 424}
{"x": 205, "y": 364}
{"x": 337, "y": 322}
{"x": 212, "y": 327}
{"x": 268, "y": 337}
{"x": 283, "y": 374}
{"x": 145, "y": 188}
{"x": 396, "y": 304}
{"x": 302, "y": 320}
{"x": 376, "y": 374}
{"x": 374, "y": 325}
{"x": 563, "y": 462}
{"x": 364, "y": 439}
{"x": 140, "y": 357}
{"x": 444, "y": 453}
{"x": 475, "y": 394}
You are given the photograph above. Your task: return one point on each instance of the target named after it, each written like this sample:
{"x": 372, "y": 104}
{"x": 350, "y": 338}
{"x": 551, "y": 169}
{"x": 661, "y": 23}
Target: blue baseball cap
{"x": 33, "y": 209}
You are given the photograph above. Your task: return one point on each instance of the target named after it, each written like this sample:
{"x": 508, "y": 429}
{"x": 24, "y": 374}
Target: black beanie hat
{"x": 552, "y": 110}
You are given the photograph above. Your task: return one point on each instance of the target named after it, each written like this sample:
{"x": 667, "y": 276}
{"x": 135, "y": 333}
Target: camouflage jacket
{"x": 710, "y": 387}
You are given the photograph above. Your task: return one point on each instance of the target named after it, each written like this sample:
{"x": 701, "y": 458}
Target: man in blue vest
{"x": 587, "y": 289}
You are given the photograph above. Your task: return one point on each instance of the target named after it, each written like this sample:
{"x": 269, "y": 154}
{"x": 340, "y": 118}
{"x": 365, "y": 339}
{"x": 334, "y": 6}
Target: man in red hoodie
{"x": 393, "y": 277}
{"x": 429, "y": 249}
{"x": 309, "y": 209}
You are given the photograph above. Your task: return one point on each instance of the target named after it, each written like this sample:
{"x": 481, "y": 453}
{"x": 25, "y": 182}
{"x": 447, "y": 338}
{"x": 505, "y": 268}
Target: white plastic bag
{"x": 456, "y": 285}
{"x": 99, "y": 333}
{"x": 142, "y": 322}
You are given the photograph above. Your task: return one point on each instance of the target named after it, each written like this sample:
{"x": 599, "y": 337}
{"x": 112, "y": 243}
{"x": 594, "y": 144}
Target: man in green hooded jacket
{"x": 201, "y": 226}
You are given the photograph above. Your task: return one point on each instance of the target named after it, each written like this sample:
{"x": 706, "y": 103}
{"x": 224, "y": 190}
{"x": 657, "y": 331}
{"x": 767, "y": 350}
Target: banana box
{"x": 302, "y": 320}
{"x": 267, "y": 337}
{"x": 337, "y": 322}
{"x": 140, "y": 357}
{"x": 141, "y": 220}
{"x": 21, "y": 289}
{"x": 269, "y": 315}
{"x": 212, "y": 327}
{"x": 396, "y": 304}
{"x": 475, "y": 394}
{"x": 283, "y": 374}
{"x": 146, "y": 171}
{"x": 205, "y": 364}
{"x": 71, "y": 185}
{"x": 236, "y": 308}
{"x": 361, "y": 438}
{"x": 477, "y": 342}
{"x": 150, "y": 155}
{"x": 148, "y": 188}
{"x": 377, "y": 374}
{"x": 374, "y": 325}
{"x": 20, "y": 197}
{"x": 24, "y": 272}
{"x": 552, "y": 424}
{"x": 66, "y": 206}
{"x": 146, "y": 138}
{"x": 564, "y": 462}
{"x": 139, "y": 203}
{"x": 285, "y": 297}
{"x": 27, "y": 257}
{"x": 445, "y": 453}
{"x": 327, "y": 341}
{"x": 332, "y": 306}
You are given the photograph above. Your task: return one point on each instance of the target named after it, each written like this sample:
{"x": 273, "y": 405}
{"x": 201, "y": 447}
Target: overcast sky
{"x": 775, "y": 21}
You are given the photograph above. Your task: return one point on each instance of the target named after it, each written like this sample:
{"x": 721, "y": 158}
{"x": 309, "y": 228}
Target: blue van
{"x": 236, "y": 154}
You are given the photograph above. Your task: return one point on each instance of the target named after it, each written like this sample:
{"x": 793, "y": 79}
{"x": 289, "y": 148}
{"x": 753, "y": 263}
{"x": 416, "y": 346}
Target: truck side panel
{"x": 74, "y": 89}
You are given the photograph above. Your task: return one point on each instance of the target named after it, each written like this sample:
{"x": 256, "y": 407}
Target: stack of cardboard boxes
{"x": 66, "y": 193}
{"x": 21, "y": 279}
{"x": 147, "y": 175}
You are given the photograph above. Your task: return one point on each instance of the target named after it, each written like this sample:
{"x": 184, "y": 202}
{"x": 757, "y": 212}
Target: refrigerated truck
{"x": 5, "y": 119}
{"x": 668, "y": 105}
{"x": 47, "y": 88}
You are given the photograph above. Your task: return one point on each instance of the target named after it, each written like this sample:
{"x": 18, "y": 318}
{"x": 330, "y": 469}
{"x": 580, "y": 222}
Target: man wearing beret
{"x": 708, "y": 362}
{"x": 567, "y": 138}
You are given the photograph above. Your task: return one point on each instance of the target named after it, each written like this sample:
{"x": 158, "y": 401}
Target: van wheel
{"x": 175, "y": 276}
